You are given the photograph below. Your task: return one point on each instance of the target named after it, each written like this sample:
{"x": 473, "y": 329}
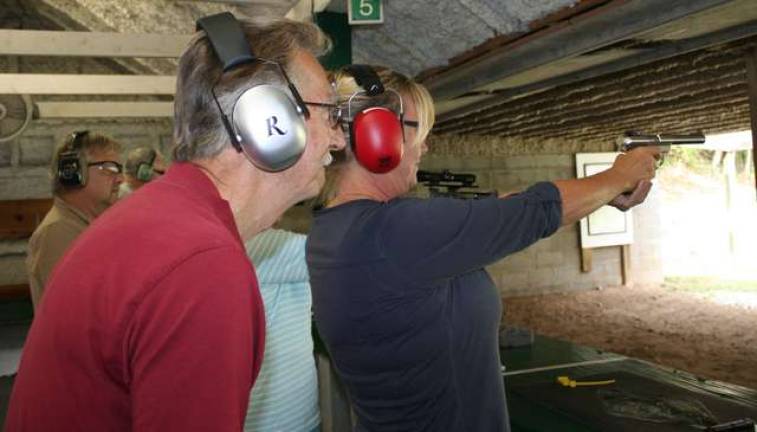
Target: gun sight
{"x": 447, "y": 184}
{"x": 446, "y": 177}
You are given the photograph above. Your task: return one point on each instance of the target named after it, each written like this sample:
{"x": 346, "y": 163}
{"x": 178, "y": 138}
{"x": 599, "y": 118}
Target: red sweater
{"x": 151, "y": 322}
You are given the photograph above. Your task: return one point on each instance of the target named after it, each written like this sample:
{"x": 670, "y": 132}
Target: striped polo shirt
{"x": 285, "y": 394}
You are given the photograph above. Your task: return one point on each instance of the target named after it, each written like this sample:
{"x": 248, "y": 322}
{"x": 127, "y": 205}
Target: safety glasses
{"x": 335, "y": 112}
{"x": 108, "y": 167}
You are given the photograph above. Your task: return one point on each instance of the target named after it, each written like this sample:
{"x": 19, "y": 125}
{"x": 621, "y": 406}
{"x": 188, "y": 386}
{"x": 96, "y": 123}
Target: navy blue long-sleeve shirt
{"x": 406, "y": 310}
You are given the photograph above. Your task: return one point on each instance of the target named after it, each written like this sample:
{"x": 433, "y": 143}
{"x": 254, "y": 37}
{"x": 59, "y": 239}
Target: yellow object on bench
{"x": 567, "y": 382}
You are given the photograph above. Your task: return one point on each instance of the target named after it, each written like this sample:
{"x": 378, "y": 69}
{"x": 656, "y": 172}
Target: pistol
{"x": 630, "y": 140}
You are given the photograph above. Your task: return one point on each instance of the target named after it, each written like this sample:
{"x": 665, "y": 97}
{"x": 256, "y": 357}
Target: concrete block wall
{"x": 552, "y": 264}
{"x": 25, "y": 161}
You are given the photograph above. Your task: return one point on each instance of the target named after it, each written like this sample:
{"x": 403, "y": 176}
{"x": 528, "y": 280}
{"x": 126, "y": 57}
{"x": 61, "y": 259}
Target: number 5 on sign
{"x": 366, "y": 12}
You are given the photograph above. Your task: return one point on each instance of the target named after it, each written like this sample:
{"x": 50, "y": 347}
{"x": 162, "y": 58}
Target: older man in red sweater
{"x": 153, "y": 320}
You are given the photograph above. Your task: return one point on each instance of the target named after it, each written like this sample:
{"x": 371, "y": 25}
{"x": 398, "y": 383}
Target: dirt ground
{"x": 682, "y": 330}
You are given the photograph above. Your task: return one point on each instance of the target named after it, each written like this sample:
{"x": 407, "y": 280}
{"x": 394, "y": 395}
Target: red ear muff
{"x": 376, "y": 139}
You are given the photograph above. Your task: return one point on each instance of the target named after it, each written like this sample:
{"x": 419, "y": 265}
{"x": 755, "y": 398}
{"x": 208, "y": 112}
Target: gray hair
{"x": 199, "y": 132}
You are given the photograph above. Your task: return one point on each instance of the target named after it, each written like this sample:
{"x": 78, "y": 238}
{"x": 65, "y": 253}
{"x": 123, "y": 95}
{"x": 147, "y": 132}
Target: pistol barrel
{"x": 631, "y": 141}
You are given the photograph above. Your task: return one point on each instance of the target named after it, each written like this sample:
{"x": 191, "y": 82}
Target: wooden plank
{"x": 104, "y": 109}
{"x": 751, "y": 69}
{"x": 14, "y": 292}
{"x": 91, "y": 44}
{"x": 72, "y": 84}
{"x": 19, "y": 218}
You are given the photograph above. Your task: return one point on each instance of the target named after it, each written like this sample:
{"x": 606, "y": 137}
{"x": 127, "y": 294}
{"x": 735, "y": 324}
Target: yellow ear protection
{"x": 144, "y": 168}
{"x": 376, "y": 134}
{"x": 265, "y": 123}
{"x": 72, "y": 163}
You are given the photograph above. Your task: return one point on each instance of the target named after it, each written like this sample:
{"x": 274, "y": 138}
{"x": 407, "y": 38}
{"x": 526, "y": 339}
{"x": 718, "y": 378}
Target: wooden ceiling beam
{"x": 70, "y": 84}
{"x": 104, "y": 109}
{"x": 90, "y": 44}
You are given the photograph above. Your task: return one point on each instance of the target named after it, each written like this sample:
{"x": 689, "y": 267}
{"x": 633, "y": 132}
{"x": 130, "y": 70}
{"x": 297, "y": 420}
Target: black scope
{"x": 446, "y": 177}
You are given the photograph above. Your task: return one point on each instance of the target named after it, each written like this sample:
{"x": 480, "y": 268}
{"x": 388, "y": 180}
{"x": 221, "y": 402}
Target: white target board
{"x": 607, "y": 226}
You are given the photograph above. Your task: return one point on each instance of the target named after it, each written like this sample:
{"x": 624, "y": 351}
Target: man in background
{"x": 143, "y": 164}
{"x": 86, "y": 174}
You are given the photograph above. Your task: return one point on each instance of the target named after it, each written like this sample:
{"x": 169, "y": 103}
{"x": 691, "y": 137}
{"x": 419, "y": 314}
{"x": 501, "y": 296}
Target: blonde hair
{"x": 198, "y": 129}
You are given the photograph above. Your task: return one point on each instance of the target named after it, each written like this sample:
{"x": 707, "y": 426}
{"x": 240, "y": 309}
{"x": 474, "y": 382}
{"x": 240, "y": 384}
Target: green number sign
{"x": 366, "y": 12}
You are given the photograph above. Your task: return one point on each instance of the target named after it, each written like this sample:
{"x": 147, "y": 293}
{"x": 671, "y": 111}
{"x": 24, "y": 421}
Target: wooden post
{"x": 751, "y": 73}
{"x": 585, "y": 260}
{"x": 729, "y": 168}
{"x": 625, "y": 264}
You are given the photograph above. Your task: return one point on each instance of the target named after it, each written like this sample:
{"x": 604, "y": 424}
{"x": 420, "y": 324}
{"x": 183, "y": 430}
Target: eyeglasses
{"x": 335, "y": 112}
{"x": 108, "y": 167}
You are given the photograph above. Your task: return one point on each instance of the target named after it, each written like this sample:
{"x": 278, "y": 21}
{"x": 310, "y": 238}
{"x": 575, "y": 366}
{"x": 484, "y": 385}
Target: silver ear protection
{"x": 265, "y": 123}
{"x": 275, "y": 140}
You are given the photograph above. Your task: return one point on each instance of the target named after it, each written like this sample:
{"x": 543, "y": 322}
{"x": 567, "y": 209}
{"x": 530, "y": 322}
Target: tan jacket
{"x": 60, "y": 227}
